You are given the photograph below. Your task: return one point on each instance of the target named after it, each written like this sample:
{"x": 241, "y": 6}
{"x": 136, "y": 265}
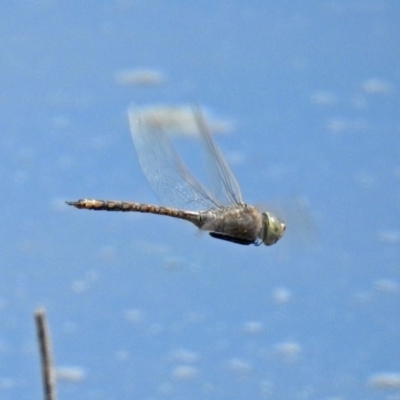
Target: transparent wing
{"x": 225, "y": 186}
{"x": 164, "y": 169}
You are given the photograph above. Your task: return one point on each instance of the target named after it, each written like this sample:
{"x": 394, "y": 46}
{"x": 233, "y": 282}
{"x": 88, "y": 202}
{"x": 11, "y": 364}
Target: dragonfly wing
{"x": 164, "y": 168}
{"x": 226, "y": 188}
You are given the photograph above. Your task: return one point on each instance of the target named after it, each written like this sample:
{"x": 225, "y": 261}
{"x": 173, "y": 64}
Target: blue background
{"x": 143, "y": 305}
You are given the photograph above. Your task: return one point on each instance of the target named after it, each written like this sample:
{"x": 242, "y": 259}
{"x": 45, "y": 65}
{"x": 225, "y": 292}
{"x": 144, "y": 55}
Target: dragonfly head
{"x": 272, "y": 229}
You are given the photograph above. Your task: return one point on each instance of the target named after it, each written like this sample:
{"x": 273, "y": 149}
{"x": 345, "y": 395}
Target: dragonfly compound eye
{"x": 273, "y": 229}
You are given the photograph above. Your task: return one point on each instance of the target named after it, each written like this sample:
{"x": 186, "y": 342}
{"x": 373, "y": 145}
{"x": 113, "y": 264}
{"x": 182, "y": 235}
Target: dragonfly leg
{"x": 230, "y": 238}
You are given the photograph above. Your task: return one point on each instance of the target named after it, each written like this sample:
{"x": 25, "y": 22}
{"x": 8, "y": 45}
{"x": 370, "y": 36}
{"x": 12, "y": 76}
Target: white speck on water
{"x": 253, "y": 327}
{"x": 281, "y": 295}
{"x": 184, "y": 372}
{"x": 385, "y": 380}
{"x": 376, "y": 86}
{"x": 71, "y": 374}
{"x": 139, "y": 77}
{"x": 386, "y": 286}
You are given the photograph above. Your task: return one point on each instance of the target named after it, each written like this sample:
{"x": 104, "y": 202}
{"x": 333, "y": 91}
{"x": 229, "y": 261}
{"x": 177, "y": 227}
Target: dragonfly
{"x": 220, "y": 211}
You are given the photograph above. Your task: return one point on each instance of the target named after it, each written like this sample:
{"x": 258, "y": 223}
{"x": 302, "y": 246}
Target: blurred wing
{"x": 163, "y": 168}
{"x": 226, "y": 188}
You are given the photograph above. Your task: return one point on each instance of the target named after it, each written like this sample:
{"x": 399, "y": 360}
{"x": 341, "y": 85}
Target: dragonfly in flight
{"x": 221, "y": 211}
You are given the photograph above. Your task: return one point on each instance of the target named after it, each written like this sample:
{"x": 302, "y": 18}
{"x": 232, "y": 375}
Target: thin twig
{"x": 48, "y": 372}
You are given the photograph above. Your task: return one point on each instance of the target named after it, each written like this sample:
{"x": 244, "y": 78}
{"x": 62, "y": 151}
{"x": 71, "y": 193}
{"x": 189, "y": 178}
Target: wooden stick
{"x": 48, "y": 372}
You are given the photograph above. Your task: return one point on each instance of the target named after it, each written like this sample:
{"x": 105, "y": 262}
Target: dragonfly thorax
{"x": 239, "y": 223}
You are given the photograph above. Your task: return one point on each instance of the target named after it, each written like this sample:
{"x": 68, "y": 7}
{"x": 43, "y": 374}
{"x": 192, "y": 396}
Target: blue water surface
{"x": 145, "y": 307}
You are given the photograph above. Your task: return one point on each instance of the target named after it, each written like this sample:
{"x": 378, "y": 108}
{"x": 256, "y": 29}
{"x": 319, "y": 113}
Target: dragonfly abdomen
{"x": 126, "y": 206}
